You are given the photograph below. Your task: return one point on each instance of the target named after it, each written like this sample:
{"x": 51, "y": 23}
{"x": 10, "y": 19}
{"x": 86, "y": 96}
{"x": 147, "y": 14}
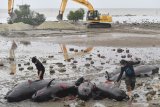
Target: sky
{"x": 95, "y": 3}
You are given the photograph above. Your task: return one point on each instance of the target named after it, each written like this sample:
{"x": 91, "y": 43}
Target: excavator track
{"x": 99, "y": 25}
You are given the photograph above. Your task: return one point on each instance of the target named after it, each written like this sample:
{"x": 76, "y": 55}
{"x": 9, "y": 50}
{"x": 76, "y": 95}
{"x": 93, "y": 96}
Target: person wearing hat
{"x": 39, "y": 67}
{"x": 130, "y": 80}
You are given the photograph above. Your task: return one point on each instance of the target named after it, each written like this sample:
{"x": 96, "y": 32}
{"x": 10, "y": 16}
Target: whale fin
{"x": 79, "y": 81}
{"x": 49, "y": 84}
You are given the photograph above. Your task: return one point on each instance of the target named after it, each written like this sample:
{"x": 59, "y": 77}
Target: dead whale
{"x": 25, "y": 90}
{"x": 139, "y": 70}
{"x": 57, "y": 90}
{"x": 108, "y": 90}
{"x": 85, "y": 90}
{"x": 88, "y": 90}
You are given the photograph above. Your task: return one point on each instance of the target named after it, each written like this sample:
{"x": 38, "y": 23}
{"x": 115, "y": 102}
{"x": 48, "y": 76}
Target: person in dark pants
{"x": 39, "y": 67}
{"x": 130, "y": 80}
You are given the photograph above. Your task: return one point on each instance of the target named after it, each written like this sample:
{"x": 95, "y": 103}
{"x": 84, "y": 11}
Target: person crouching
{"x": 39, "y": 67}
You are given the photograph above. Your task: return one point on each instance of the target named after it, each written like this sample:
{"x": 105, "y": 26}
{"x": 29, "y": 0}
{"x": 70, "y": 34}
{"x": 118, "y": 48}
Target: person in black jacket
{"x": 130, "y": 80}
{"x": 39, "y": 67}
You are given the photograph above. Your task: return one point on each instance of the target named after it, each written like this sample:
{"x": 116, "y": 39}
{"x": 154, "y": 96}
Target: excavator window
{"x": 93, "y": 15}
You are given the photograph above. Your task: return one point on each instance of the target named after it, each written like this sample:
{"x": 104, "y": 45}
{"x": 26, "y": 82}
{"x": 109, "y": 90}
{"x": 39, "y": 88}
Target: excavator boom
{"x": 62, "y": 8}
{"x": 10, "y": 6}
{"x": 85, "y": 3}
{"x": 10, "y": 10}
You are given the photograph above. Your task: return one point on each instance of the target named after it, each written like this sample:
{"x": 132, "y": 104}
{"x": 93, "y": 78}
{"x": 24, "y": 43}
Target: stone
{"x": 99, "y": 55}
{"x": 51, "y": 56}
{"x": 87, "y": 65}
{"x": 136, "y": 95}
{"x": 30, "y": 68}
{"x": 103, "y": 57}
{"x": 76, "y": 50}
{"x": 62, "y": 70}
{"x": 92, "y": 62}
{"x": 19, "y": 65}
{"x": 123, "y": 56}
{"x": 75, "y": 61}
{"x": 27, "y": 63}
{"x": 119, "y": 50}
{"x": 88, "y": 58}
{"x": 102, "y": 63}
{"x": 61, "y": 65}
{"x": 52, "y": 71}
{"x": 149, "y": 87}
{"x": 71, "y": 49}
{"x": 127, "y": 51}
{"x": 129, "y": 56}
{"x": 44, "y": 61}
{"x": 74, "y": 67}
{"x": 21, "y": 69}
{"x": 50, "y": 66}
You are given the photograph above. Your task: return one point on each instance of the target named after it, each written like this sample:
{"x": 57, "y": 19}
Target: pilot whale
{"x": 57, "y": 90}
{"x": 139, "y": 70}
{"x": 88, "y": 90}
{"x": 25, "y": 90}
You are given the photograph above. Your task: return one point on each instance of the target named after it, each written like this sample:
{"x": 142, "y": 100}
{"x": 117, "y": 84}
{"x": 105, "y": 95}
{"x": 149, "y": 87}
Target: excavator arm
{"x": 85, "y": 3}
{"x": 10, "y": 6}
{"x": 10, "y": 10}
{"x": 62, "y": 9}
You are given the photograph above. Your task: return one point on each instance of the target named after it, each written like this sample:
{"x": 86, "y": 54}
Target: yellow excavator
{"x": 95, "y": 19}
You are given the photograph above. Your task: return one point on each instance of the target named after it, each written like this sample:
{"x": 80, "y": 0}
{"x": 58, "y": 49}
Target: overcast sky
{"x": 95, "y": 3}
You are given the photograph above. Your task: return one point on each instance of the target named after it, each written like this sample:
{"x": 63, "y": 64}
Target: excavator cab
{"x": 96, "y": 20}
{"x": 93, "y": 15}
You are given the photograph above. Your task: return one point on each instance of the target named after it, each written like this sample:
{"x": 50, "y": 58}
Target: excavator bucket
{"x": 59, "y": 17}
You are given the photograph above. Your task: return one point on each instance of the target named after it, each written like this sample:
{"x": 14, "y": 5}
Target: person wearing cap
{"x": 39, "y": 67}
{"x": 130, "y": 80}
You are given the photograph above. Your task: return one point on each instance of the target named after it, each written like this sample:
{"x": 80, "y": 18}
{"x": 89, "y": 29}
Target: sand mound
{"x": 58, "y": 25}
{"x": 15, "y": 26}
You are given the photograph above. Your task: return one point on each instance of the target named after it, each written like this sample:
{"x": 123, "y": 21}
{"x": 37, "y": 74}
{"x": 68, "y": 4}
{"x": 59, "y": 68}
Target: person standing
{"x": 130, "y": 80}
{"x": 39, "y": 67}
